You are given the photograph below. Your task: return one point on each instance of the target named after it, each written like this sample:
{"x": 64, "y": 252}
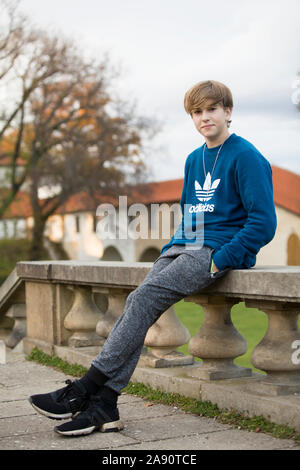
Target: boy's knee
{"x": 142, "y": 293}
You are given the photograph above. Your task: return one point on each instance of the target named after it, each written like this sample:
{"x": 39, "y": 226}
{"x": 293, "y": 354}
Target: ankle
{"x": 109, "y": 396}
{"x": 93, "y": 380}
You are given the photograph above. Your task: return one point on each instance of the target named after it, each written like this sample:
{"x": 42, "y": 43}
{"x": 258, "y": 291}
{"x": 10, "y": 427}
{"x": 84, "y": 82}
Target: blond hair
{"x": 206, "y": 93}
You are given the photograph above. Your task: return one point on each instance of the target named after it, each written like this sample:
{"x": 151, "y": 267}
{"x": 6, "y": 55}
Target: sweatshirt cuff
{"x": 220, "y": 260}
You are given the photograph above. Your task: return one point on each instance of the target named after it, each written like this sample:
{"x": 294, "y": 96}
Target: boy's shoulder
{"x": 242, "y": 145}
{"x": 247, "y": 154}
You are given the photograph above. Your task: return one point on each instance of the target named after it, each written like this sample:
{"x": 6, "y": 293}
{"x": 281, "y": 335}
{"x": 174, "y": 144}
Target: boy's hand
{"x": 214, "y": 268}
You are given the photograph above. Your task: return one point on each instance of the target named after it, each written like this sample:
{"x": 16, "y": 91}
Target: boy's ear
{"x": 229, "y": 110}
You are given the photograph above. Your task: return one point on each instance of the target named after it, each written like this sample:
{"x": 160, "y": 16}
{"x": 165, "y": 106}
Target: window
{"x": 293, "y": 250}
{"x": 77, "y": 223}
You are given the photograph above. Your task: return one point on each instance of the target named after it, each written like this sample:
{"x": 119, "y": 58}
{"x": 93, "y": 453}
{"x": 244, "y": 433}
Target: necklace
{"x": 215, "y": 159}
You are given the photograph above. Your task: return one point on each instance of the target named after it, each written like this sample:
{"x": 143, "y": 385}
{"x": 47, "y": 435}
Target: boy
{"x": 228, "y": 184}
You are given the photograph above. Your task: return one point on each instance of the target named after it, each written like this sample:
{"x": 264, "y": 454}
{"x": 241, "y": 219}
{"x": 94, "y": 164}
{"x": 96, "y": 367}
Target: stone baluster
{"x": 18, "y": 313}
{"x": 278, "y": 353}
{"x": 116, "y": 298}
{"x": 82, "y": 319}
{"x": 164, "y": 337}
{"x": 217, "y": 342}
{"x": 6, "y": 326}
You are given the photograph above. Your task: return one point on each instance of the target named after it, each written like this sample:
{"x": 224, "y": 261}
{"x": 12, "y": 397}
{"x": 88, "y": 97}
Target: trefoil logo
{"x": 208, "y": 190}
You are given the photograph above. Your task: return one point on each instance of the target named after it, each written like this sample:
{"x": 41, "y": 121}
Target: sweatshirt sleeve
{"x": 185, "y": 183}
{"x": 253, "y": 179}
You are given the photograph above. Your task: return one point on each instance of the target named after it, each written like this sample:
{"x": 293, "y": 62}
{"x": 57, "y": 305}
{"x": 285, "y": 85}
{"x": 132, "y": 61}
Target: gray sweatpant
{"x": 175, "y": 274}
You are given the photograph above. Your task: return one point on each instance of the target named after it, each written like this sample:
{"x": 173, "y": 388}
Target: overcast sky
{"x": 166, "y": 46}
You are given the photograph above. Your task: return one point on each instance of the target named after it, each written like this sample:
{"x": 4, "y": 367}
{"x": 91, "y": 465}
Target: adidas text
{"x": 202, "y": 208}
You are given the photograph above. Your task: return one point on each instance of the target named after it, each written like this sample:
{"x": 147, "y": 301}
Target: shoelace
{"x": 65, "y": 391}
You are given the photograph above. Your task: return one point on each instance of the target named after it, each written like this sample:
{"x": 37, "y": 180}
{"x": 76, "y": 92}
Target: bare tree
{"x": 29, "y": 59}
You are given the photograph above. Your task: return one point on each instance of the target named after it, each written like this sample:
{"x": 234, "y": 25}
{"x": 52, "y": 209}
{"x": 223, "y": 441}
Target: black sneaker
{"x": 63, "y": 403}
{"x": 97, "y": 417}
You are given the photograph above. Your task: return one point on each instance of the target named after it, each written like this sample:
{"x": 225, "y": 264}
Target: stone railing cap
{"x": 118, "y": 273}
{"x": 269, "y": 282}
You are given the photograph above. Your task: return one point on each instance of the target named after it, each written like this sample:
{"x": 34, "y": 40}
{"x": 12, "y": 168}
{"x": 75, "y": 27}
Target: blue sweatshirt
{"x": 231, "y": 208}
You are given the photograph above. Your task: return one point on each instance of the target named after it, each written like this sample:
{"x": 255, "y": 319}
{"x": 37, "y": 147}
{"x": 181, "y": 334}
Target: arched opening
{"x": 111, "y": 254}
{"x": 293, "y": 250}
{"x": 150, "y": 255}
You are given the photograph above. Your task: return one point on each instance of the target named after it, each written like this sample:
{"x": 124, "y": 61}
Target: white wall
{"x": 87, "y": 245}
{"x": 275, "y": 253}
{"x": 13, "y": 228}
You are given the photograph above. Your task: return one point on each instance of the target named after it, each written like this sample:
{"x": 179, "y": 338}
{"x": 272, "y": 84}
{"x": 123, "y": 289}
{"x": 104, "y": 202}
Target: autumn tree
{"x": 79, "y": 140}
{"x": 29, "y": 58}
{"x": 71, "y": 129}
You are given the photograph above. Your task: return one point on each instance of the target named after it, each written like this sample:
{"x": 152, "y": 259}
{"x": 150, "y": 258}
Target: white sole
{"x": 50, "y": 415}
{"x": 114, "y": 426}
{"x": 78, "y": 432}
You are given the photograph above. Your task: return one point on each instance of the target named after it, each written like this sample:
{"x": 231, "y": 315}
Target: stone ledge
{"x": 278, "y": 283}
{"x": 112, "y": 273}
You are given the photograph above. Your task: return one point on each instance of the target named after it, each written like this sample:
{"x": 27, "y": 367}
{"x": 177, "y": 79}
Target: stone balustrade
{"x": 72, "y": 306}
{"x": 55, "y": 319}
{"x": 83, "y": 322}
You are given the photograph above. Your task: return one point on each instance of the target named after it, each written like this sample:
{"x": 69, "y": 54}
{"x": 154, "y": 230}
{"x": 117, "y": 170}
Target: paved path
{"x": 147, "y": 426}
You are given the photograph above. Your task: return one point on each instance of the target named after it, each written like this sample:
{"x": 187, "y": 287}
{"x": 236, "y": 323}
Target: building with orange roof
{"x": 76, "y": 223}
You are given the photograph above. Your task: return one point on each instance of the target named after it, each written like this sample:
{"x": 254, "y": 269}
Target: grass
{"x": 55, "y": 362}
{"x": 12, "y": 251}
{"x": 189, "y": 405}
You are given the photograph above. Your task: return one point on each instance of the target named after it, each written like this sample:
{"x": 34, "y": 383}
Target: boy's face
{"x": 211, "y": 122}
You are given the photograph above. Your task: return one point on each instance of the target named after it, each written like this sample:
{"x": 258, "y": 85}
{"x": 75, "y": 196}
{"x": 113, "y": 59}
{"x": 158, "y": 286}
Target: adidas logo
{"x": 207, "y": 192}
